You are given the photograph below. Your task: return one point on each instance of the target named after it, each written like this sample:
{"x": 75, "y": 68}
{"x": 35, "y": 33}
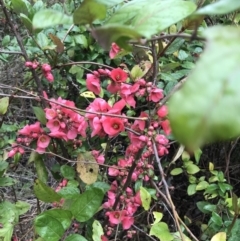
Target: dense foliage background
{"x": 119, "y": 120}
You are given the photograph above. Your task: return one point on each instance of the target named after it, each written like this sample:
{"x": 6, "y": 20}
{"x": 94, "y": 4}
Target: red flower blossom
{"x": 93, "y": 83}
{"x": 112, "y": 126}
{"x": 115, "y": 49}
{"x": 118, "y": 75}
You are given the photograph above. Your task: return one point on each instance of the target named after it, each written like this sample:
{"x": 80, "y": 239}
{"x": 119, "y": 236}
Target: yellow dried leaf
{"x": 87, "y": 167}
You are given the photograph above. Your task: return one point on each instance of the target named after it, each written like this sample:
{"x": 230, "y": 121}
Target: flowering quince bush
{"x": 106, "y": 120}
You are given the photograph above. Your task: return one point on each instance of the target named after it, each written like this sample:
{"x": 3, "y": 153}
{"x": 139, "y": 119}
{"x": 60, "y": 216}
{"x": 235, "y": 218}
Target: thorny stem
{"x": 167, "y": 190}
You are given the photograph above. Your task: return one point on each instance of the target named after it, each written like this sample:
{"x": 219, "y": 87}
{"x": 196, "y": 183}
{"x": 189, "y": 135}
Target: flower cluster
{"x": 101, "y": 124}
{"x": 118, "y": 85}
{"x": 125, "y": 210}
{"x": 46, "y": 69}
{"x": 29, "y": 134}
{"x": 63, "y": 122}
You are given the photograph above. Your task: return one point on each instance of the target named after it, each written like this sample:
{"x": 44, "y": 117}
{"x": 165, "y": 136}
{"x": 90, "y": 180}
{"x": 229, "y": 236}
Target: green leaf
{"x": 68, "y": 172}
{"x": 220, "y": 7}
{"x": 48, "y": 227}
{"x": 145, "y": 198}
{"x": 209, "y": 92}
{"x": 75, "y": 237}
{"x": 97, "y": 231}
{"x": 4, "y": 102}
{"x": 22, "y": 207}
{"x": 41, "y": 169}
{"x": 155, "y": 17}
{"x": 69, "y": 192}
{"x": 235, "y": 232}
{"x": 161, "y": 231}
{"x": 19, "y": 6}
{"x": 89, "y": 11}
{"x": 191, "y": 189}
{"x": 192, "y": 169}
{"x": 6, "y": 232}
{"x": 27, "y": 22}
{"x": 202, "y": 185}
{"x": 176, "y": 171}
{"x": 40, "y": 114}
{"x": 44, "y": 192}
{"x": 216, "y": 219}
{"x": 201, "y": 206}
{"x": 48, "y": 18}
{"x": 221, "y": 236}
{"x": 157, "y": 217}
{"x": 110, "y": 33}
{"x": 85, "y": 205}
{"x": 6, "y": 181}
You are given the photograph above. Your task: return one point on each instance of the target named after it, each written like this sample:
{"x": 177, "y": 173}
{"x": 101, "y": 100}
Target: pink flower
{"x": 166, "y": 127}
{"x": 118, "y": 75}
{"x": 97, "y": 127}
{"x": 49, "y": 77}
{"x": 93, "y": 83}
{"x": 116, "y": 217}
{"x": 155, "y": 94}
{"x": 43, "y": 141}
{"x": 113, "y": 87}
{"x": 163, "y": 111}
{"x": 115, "y": 49}
{"x": 28, "y": 64}
{"x": 113, "y": 171}
{"x": 50, "y": 113}
{"x": 53, "y": 125}
{"x": 104, "y": 238}
{"x": 46, "y": 68}
{"x": 112, "y": 126}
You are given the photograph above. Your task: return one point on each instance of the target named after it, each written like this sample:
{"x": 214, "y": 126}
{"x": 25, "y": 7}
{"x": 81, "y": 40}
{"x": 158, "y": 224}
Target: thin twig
{"x": 167, "y": 191}
{"x": 10, "y": 52}
{"x": 144, "y": 232}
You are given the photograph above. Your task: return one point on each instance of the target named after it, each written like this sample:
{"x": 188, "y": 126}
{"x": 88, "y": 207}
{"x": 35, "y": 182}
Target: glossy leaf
{"x": 145, "y": 198}
{"x": 41, "y": 169}
{"x": 44, "y": 192}
{"x": 48, "y": 18}
{"x": 220, "y": 7}
{"x": 85, "y": 205}
{"x": 209, "y": 92}
{"x": 40, "y": 114}
{"x": 161, "y": 231}
{"x": 4, "y": 102}
{"x": 75, "y": 237}
{"x": 48, "y": 227}
{"x": 216, "y": 219}
{"x": 155, "y": 17}
{"x": 88, "y": 11}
